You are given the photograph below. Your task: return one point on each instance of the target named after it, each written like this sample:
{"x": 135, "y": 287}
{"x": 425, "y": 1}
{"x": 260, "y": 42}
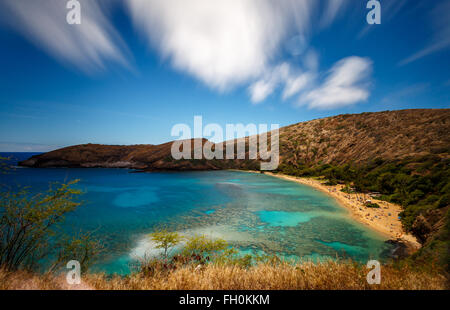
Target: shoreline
{"x": 384, "y": 220}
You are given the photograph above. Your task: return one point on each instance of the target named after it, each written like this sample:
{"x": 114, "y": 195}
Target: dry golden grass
{"x": 307, "y": 276}
{"x": 22, "y": 280}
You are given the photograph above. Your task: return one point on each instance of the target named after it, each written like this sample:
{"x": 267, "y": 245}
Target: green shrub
{"x": 165, "y": 240}
{"x": 203, "y": 246}
{"x": 30, "y": 231}
{"x": 372, "y": 205}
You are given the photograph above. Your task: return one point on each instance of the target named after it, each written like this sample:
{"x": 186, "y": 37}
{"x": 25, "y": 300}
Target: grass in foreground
{"x": 265, "y": 276}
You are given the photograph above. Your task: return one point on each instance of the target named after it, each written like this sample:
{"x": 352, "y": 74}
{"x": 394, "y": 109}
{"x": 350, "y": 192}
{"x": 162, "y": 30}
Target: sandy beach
{"x": 384, "y": 220}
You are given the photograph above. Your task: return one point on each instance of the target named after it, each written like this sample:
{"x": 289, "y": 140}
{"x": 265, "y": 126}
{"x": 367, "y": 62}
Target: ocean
{"x": 256, "y": 213}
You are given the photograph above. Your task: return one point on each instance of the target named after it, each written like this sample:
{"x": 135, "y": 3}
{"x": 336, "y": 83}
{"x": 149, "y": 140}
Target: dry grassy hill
{"x": 360, "y": 138}
{"x": 141, "y": 157}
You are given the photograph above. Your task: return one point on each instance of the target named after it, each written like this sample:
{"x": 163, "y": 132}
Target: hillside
{"x": 141, "y": 157}
{"x": 349, "y": 138}
{"x": 360, "y": 138}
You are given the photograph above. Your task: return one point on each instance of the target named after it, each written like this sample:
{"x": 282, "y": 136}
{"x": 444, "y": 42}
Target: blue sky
{"x": 133, "y": 69}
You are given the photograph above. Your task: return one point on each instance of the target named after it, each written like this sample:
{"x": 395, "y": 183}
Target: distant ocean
{"x": 255, "y": 213}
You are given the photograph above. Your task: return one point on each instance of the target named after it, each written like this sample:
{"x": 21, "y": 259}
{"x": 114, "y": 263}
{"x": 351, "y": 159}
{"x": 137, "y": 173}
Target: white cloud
{"x": 224, "y": 44}
{"x": 221, "y": 43}
{"x": 87, "y": 46}
{"x": 299, "y": 81}
{"x": 295, "y": 85}
{"x": 294, "y": 80}
{"x": 280, "y": 75}
{"x": 346, "y": 84}
{"x": 262, "y": 88}
{"x": 311, "y": 60}
{"x": 332, "y": 9}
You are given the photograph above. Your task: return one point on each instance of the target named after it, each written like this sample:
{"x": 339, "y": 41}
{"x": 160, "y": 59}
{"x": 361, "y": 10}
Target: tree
{"x": 204, "y": 250}
{"x": 401, "y": 182}
{"x": 83, "y": 248}
{"x": 30, "y": 231}
{"x": 202, "y": 246}
{"x": 165, "y": 240}
{"x": 384, "y": 183}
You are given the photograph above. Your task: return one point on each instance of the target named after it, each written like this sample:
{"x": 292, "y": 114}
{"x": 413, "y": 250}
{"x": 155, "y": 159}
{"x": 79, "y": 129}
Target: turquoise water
{"x": 283, "y": 218}
{"x": 255, "y": 213}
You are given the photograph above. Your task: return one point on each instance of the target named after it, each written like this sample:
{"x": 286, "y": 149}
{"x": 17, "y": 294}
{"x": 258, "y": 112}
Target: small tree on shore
{"x": 202, "y": 245}
{"x": 165, "y": 240}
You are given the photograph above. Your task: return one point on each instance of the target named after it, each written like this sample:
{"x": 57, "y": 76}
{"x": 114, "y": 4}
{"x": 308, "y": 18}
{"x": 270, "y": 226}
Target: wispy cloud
{"x": 295, "y": 84}
{"x": 280, "y": 76}
{"x": 331, "y": 11}
{"x": 346, "y": 84}
{"x": 262, "y": 88}
{"x": 221, "y": 43}
{"x": 441, "y": 38}
{"x": 87, "y": 46}
{"x": 389, "y": 10}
